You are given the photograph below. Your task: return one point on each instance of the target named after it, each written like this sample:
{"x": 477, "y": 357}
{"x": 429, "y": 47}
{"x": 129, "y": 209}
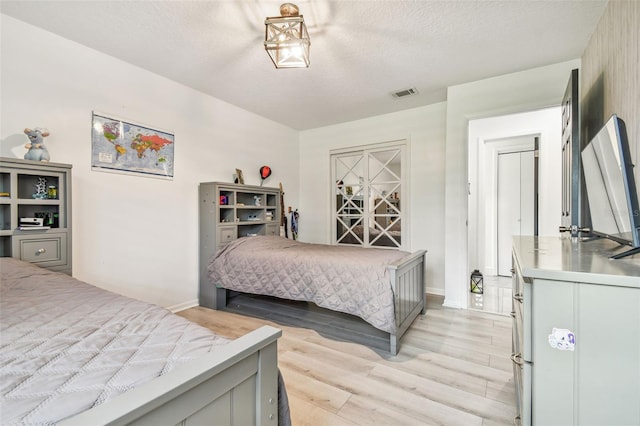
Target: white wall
{"x": 547, "y": 125}
{"x": 133, "y": 235}
{"x": 139, "y": 236}
{"x": 424, "y": 130}
{"x": 523, "y": 91}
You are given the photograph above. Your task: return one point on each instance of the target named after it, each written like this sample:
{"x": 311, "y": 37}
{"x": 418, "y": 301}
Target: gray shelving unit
{"x": 49, "y": 246}
{"x": 227, "y": 212}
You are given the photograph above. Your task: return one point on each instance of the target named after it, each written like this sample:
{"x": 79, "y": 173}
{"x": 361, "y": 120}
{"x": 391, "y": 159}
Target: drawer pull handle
{"x": 517, "y": 359}
{"x": 513, "y": 315}
{"x": 40, "y": 251}
{"x": 518, "y": 297}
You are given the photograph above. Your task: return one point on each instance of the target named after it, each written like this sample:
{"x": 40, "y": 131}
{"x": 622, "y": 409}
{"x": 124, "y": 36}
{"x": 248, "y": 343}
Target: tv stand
{"x": 596, "y": 237}
{"x": 629, "y": 252}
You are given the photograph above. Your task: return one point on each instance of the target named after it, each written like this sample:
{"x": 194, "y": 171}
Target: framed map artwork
{"x": 124, "y": 147}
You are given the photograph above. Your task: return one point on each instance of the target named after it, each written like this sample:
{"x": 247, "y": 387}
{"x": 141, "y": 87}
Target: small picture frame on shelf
{"x": 238, "y": 177}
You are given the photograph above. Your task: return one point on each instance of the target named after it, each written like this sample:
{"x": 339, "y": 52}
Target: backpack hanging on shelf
{"x": 294, "y": 224}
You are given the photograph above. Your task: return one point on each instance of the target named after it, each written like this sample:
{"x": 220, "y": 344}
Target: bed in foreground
{"x": 74, "y": 354}
{"x": 383, "y": 287}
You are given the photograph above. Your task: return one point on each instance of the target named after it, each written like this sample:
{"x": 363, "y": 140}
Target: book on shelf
{"x": 33, "y": 228}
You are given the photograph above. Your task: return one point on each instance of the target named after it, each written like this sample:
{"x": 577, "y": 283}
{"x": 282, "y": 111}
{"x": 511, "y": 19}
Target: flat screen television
{"x": 611, "y": 187}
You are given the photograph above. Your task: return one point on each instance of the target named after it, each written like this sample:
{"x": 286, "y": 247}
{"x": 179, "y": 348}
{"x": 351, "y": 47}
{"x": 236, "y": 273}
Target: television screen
{"x": 611, "y": 188}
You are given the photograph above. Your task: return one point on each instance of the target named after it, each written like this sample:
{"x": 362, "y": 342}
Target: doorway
{"x": 515, "y": 203}
{"x": 490, "y": 138}
{"x": 500, "y": 184}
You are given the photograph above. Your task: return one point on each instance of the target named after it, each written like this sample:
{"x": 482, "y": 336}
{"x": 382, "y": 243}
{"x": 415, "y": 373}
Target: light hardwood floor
{"x": 453, "y": 368}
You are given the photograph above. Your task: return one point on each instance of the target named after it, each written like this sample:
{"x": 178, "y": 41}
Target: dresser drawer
{"x": 226, "y": 235}
{"x": 46, "y": 250}
{"x": 272, "y": 229}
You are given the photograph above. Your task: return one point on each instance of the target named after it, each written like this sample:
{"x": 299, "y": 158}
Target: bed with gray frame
{"x": 74, "y": 354}
{"x": 386, "y": 288}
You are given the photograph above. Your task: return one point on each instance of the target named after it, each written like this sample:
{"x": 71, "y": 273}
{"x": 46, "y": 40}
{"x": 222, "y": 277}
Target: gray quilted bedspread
{"x": 353, "y": 280}
{"x": 67, "y": 346}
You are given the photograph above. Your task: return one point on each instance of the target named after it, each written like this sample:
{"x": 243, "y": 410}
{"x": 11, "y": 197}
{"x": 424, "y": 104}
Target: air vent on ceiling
{"x": 405, "y": 92}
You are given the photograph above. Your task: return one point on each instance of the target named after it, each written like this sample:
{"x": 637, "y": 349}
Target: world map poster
{"x": 125, "y": 147}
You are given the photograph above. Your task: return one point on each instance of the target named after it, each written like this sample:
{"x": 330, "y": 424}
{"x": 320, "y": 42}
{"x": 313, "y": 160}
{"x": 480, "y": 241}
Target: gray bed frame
{"x": 407, "y": 280}
{"x": 237, "y": 384}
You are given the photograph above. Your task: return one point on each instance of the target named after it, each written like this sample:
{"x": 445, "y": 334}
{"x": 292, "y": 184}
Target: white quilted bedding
{"x": 353, "y": 280}
{"x": 67, "y": 346}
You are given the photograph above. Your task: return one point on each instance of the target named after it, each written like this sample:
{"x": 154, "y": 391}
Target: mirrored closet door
{"x": 369, "y": 195}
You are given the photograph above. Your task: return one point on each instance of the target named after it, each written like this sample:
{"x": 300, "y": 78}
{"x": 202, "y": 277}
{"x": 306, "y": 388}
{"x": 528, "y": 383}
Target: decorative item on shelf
{"x": 294, "y": 222}
{"x": 349, "y": 190}
{"x": 257, "y": 200}
{"x": 224, "y": 200}
{"x": 476, "y": 282}
{"x": 52, "y": 192}
{"x": 36, "y": 150}
{"x": 287, "y": 39}
{"x": 48, "y": 218}
{"x": 41, "y": 189}
{"x": 265, "y": 172}
{"x": 284, "y": 232}
{"x": 238, "y": 178}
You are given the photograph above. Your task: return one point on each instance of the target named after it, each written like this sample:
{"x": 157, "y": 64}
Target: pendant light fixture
{"x": 286, "y": 38}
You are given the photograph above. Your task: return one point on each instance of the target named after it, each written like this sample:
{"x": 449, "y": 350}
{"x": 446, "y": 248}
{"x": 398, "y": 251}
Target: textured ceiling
{"x": 361, "y": 51}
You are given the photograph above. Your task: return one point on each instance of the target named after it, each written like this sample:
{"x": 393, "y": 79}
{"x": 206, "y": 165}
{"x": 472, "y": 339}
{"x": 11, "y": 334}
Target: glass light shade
{"x": 287, "y": 41}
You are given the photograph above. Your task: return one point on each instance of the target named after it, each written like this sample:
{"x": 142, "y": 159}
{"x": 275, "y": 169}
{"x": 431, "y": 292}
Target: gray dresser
{"x": 576, "y": 333}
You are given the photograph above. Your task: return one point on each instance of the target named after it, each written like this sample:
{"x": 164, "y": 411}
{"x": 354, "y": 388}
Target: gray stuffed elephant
{"x": 36, "y": 149}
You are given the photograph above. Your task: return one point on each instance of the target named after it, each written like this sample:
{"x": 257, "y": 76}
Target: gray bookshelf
{"x": 48, "y": 246}
{"x": 227, "y": 212}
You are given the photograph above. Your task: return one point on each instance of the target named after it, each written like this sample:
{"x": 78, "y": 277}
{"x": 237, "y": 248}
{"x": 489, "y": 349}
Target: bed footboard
{"x": 235, "y": 385}
{"x": 408, "y": 284}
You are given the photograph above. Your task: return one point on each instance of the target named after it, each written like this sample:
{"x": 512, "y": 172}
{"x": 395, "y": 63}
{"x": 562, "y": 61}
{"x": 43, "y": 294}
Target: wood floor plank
{"x": 454, "y": 372}
{"x": 453, "y": 367}
{"x": 360, "y": 410}
{"x": 304, "y": 413}
{"x": 439, "y": 343}
{"x": 452, "y": 397}
{"x": 315, "y": 392}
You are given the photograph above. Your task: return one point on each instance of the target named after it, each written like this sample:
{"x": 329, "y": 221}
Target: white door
{"x": 515, "y": 203}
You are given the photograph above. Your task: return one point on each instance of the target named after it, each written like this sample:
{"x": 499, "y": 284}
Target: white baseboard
{"x": 182, "y": 306}
{"x": 448, "y": 304}
{"x": 436, "y": 291}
